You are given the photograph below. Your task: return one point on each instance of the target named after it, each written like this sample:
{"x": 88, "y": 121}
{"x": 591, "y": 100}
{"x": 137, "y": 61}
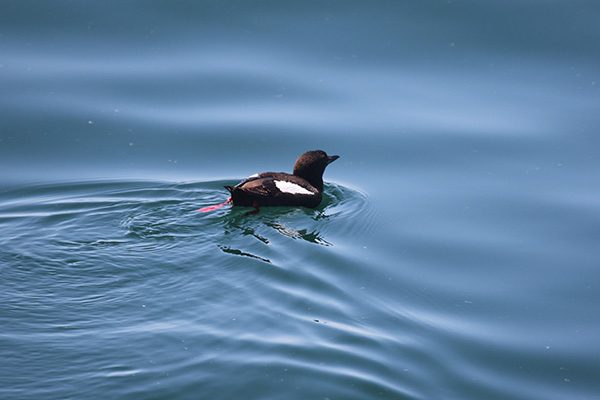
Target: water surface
{"x": 454, "y": 256}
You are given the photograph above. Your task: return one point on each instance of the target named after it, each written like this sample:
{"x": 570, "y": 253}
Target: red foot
{"x": 255, "y": 211}
{"x": 211, "y": 208}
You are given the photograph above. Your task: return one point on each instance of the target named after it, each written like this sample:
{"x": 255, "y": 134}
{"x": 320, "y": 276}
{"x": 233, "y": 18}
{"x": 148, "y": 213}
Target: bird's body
{"x": 301, "y": 188}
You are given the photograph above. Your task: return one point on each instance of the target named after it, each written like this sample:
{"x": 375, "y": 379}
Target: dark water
{"x": 456, "y": 251}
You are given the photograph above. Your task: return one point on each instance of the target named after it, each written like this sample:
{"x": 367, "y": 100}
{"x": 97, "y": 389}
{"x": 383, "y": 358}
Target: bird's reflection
{"x": 227, "y": 249}
{"x": 312, "y": 237}
{"x": 238, "y": 223}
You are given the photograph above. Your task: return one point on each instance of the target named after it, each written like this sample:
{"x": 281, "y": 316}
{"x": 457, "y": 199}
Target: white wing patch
{"x": 292, "y": 188}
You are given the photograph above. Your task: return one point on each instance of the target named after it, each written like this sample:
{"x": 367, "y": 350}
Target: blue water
{"x": 455, "y": 254}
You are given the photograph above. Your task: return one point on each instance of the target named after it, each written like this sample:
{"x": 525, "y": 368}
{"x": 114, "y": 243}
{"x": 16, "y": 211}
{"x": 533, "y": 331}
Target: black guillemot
{"x": 302, "y": 188}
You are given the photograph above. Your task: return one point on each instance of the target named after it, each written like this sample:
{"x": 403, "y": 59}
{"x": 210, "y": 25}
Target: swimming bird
{"x": 303, "y": 187}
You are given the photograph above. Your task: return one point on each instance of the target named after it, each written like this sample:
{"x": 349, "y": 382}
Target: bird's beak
{"x": 331, "y": 159}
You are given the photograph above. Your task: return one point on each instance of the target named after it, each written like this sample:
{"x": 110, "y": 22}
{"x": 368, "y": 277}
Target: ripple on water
{"x": 257, "y": 293}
